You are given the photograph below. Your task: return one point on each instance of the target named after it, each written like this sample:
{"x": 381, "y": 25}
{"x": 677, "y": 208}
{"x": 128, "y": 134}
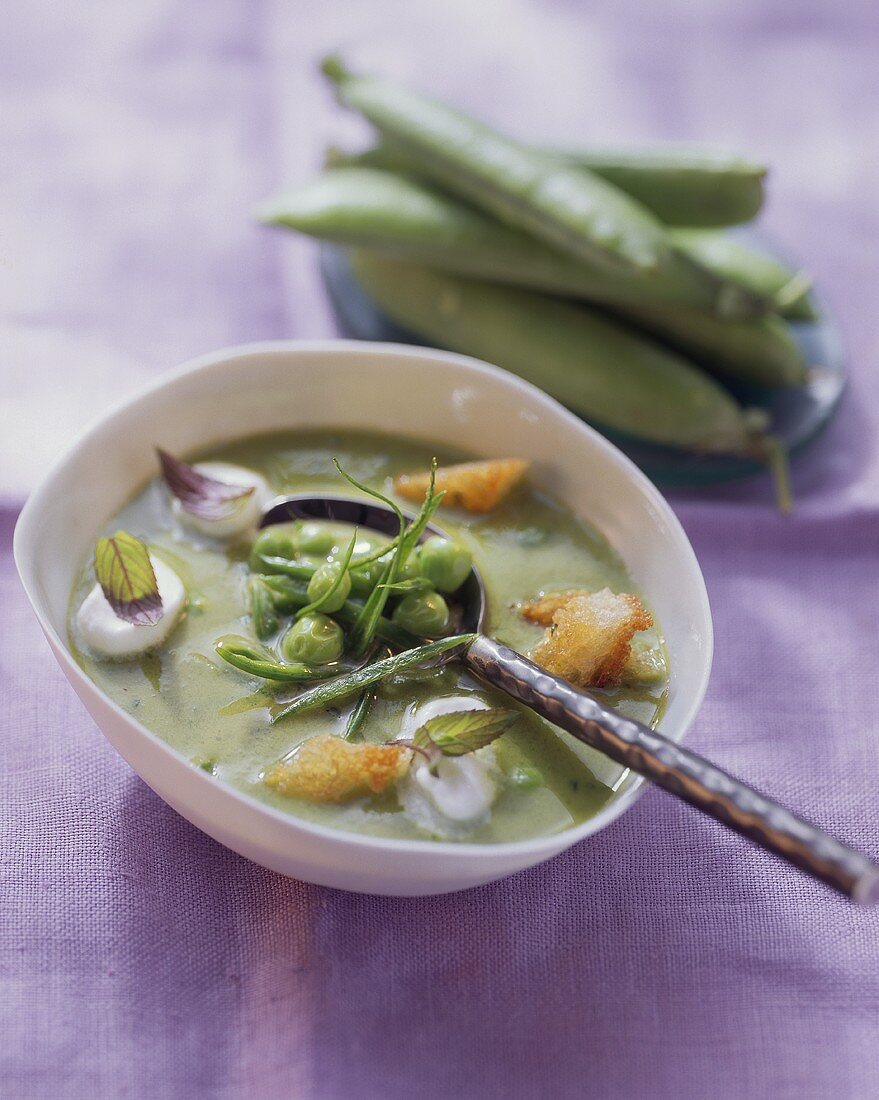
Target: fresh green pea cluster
{"x": 298, "y": 569}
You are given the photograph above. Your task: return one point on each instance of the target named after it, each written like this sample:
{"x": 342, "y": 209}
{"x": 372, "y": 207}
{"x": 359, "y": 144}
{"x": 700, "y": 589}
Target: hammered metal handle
{"x": 677, "y": 770}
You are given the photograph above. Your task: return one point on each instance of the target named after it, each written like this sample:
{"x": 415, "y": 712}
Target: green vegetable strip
{"x": 243, "y": 656}
{"x": 334, "y": 587}
{"x": 325, "y": 694}
{"x": 751, "y": 267}
{"x": 407, "y": 539}
{"x": 366, "y": 623}
{"x": 372, "y": 493}
{"x": 431, "y": 503}
{"x": 360, "y": 713}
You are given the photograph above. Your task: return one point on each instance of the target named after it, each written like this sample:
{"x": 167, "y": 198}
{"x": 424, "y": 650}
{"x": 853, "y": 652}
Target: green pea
{"x": 313, "y": 640}
{"x": 318, "y": 538}
{"x": 762, "y": 352}
{"x": 364, "y": 579}
{"x": 411, "y": 568}
{"x": 525, "y": 777}
{"x": 400, "y": 218}
{"x": 423, "y": 613}
{"x": 325, "y": 576}
{"x": 444, "y": 563}
{"x": 277, "y": 541}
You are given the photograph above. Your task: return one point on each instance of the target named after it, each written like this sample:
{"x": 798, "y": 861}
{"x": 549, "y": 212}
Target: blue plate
{"x": 796, "y": 415}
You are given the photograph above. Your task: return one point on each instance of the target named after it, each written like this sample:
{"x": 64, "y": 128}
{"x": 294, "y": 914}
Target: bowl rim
{"x": 465, "y": 852}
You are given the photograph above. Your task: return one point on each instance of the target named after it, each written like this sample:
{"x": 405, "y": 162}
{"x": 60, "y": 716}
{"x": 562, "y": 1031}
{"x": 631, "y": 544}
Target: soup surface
{"x": 219, "y": 717}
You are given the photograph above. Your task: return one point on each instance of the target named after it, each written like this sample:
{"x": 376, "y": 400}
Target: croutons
{"x": 589, "y": 641}
{"x": 473, "y": 486}
{"x": 646, "y": 663}
{"x": 542, "y": 609}
{"x": 327, "y": 769}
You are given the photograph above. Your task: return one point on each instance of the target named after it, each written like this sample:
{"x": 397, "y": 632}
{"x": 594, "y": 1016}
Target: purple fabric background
{"x": 665, "y": 958}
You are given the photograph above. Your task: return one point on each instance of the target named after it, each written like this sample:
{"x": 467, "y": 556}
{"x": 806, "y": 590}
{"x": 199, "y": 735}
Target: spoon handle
{"x": 677, "y": 770}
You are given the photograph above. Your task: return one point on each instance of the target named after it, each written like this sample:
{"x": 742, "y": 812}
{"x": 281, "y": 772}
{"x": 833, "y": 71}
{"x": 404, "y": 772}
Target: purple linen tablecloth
{"x": 664, "y": 958}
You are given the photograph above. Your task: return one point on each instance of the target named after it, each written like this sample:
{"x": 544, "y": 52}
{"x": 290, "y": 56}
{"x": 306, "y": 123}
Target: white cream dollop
{"x": 106, "y": 635}
{"x": 243, "y": 518}
{"x": 459, "y": 797}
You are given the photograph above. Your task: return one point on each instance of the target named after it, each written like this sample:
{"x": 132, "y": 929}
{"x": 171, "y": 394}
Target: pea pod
{"x": 761, "y": 352}
{"x": 589, "y": 362}
{"x": 406, "y": 219}
{"x": 750, "y": 266}
{"x": 263, "y": 612}
{"x": 682, "y": 186}
{"x": 568, "y": 208}
{"x": 256, "y": 661}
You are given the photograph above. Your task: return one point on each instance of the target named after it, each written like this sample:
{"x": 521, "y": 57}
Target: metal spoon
{"x": 630, "y": 743}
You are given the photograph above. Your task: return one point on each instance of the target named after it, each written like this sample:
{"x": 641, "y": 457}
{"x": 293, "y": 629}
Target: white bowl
{"x": 419, "y": 392}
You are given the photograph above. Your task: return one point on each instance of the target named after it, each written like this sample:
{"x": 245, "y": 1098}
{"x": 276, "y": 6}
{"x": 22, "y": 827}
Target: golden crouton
{"x": 473, "y": 486}
{"x": 646, "y": 663}
{"x": 327, "y": 769}
{"x": 542, "y": 609}
{"x": 589, "y": 641}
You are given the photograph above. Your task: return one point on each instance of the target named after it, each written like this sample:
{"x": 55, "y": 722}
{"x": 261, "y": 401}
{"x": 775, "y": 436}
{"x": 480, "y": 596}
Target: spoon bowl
{"x": 470, "y": 597}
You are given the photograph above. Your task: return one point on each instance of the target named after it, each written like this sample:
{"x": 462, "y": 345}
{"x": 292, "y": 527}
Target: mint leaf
{"x": 463, "y": 731}
{"x": 127, "y": 579}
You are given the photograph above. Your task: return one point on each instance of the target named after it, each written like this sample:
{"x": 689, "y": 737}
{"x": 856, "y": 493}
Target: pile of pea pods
{"x": 607, "y": 278}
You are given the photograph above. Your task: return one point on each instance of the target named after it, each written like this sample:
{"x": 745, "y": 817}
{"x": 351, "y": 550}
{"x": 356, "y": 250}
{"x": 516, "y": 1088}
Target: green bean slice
{"x": 360, "y": 713}
{"x": 325, "y": 694}
{"x": 243, "y": 655}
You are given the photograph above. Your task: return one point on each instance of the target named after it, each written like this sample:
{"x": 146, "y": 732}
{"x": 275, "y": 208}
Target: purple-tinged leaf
{"x": 201, "y": 496}
{"x": 128, "y": 580}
